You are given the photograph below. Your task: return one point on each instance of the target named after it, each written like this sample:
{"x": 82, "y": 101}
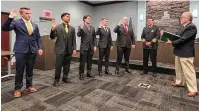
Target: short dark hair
{"x": 64, "y": 14}
{"x": 104, "y": 18}
{"x": 86, "y": 16}
{"x": 23, "y": 8}
{"x": 26, "y": 8}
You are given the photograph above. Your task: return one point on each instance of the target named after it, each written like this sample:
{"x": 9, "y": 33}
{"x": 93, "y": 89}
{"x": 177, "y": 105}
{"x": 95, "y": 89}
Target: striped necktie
{"x": 125, "y": 28}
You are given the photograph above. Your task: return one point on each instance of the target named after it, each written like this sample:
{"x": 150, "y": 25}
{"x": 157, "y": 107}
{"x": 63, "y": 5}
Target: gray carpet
{"x": 106, "y": 93}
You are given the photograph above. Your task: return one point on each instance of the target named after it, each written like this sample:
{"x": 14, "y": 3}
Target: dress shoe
{"x": 176, "y": 85}
{"x": 128, "y": 71}
{"x": 66, "y": 80}
{"x": 100, "y": 74}
{"x": 107, "y": 72}
{"x": 32, "y": 89}
{"x": 81, "y": 76}
{"x": 192, "y": 94}
{"x": 17, "y": 94}
{"x": 116, "y": 72}
{"x": 90, "y": 76}
{"x": 155, "y": 74}
{"x": 56, "y": 83}
{"x": 143, "y": 72}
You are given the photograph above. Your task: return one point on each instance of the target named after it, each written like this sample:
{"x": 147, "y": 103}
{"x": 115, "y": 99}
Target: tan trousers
{"x": 185, "y": 73}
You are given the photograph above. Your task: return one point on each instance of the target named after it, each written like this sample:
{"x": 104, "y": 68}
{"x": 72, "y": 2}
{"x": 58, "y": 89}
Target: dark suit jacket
{"x": 105, "y": 37}
{"x": 88, "y": 38}
{"x": 124, "y": 39}
{"x": 150, "y": 34}
{"x": 63, "y": 39}
{"x": 24, "y": 42}
{"x": 184, "y": 47}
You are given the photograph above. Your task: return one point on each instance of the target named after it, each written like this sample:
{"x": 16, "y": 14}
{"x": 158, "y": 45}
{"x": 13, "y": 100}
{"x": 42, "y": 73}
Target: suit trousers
{"x": 153, "y": 55}
{"x": 62, "y": 60}
{"x": 103, "y": 52}
{"x": 24, "y": 61}
{"x": 85, "y": 56}
{"x": 120, "y": 52}
{"x": 185, "y": 73}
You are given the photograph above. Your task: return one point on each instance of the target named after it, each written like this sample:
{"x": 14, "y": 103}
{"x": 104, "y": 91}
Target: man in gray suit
{"x": 125, "y": 41}
{"x": 87, "y": 47}
{"x": 105, "y": 44}
{"x": 65, "y": 46}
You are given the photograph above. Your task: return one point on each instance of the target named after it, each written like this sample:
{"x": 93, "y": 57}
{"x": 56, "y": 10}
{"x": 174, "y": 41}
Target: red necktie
{"x": 125, "y": 28}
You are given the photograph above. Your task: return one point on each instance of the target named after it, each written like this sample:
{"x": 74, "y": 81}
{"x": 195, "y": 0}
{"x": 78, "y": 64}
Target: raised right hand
{"x": 14, "y": 13}
{"x": 53, "y": 24}
{"x": 101, "y": 25}
{"x": 81, "y": 25}
{"x": 121, "y": 21}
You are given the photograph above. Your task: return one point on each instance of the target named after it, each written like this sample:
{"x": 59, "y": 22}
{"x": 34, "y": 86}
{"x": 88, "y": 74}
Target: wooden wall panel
{"x": 47, "y": 60}
{"x": 165, "y": 53}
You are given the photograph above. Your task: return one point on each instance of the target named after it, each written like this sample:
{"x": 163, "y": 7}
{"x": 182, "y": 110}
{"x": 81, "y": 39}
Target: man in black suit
{"x": 87, "y": 47}
{"x": 125, "y": 41}
{"x": 65, "y": 46}
{"x": 105, "y": 45}
{"x": 150, "y": 36}
{"x": 27, "y": 45}
{"x": 184, "y": 51}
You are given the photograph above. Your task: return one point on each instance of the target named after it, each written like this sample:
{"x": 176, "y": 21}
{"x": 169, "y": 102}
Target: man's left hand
{"x": 148, "y": 43}
{"x": 169, "y": 41}
{"x": 133, "y": 46}
{"x": 95, "y": 49}
{"x": 74, "y": 52}
{"x": 40, "y": 51}
{"x": 111, "y": 48}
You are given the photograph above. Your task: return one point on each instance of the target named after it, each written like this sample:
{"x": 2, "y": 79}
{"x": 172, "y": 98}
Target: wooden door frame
{"x": 10, "y": 33}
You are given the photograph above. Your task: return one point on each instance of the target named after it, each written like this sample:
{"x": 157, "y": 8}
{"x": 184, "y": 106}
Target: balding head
{"x": 186, "y": 17}
{"x": 125, "y": 20}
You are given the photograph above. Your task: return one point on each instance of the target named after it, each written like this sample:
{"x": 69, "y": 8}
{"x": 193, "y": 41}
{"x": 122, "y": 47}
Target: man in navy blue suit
{"x": 27, "y": 45}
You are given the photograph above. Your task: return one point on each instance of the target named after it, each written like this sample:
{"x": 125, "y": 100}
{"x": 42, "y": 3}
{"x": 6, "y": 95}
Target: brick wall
{"x": 166, "y": 13}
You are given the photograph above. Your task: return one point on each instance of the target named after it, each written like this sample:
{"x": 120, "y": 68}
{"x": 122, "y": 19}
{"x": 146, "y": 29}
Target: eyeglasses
{"x": 183, "y": 17}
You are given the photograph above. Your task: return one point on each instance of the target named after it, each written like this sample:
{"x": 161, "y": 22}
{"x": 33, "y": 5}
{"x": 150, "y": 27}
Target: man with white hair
{"x": 125, "y": 41}
{"x": 184, "y": 55}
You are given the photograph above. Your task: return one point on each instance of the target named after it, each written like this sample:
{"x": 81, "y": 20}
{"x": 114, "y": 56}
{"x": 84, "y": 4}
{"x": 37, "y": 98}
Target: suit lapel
{"x": 33, "y": 26}
{"x": 103, "y": 30}
{"x": 182, "y": 29}
{"x": 69, "y": 31}
{"x": 91, "y": 29}
{"x": 128, "y": 29}
{"x": 23, "y": 26}
{"x": 123, "y": 30}
{"x": 86, "y": 29}
{"x": 186, "y": 26}
{"x": 63, "y": 31}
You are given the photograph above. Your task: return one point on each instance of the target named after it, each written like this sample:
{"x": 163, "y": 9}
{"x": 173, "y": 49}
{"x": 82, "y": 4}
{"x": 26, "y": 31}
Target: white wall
{"x": 141, "y": 23}
{"x": 195, "y": 5}
{"x": 76, "y": 9}
{"x": 114, "y": 13}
